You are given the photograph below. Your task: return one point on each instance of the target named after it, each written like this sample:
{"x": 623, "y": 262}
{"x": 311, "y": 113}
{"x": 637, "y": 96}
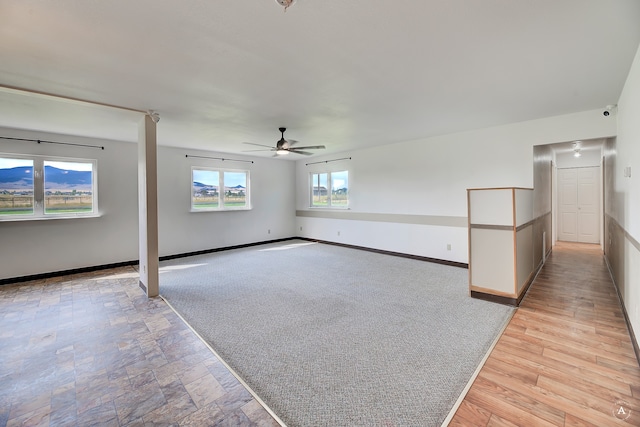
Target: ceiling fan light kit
{"x": 285, "y": 146}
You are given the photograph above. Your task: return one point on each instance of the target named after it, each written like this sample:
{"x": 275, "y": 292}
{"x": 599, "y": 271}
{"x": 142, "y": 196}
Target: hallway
{"x": 566, "y": 358}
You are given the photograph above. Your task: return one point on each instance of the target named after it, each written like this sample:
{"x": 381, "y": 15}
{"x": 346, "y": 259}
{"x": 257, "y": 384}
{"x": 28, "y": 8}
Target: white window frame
{"x": 221, "y": 194}
{"x": 329, "y": 174}
{"x": 39, "y": 212}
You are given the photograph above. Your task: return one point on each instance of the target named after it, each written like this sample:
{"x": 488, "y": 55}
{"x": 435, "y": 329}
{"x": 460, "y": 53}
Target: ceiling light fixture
{"x": 576, "y": 149}
{"x": 285, "y": 3}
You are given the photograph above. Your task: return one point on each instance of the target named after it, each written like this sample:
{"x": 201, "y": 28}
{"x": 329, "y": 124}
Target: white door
{"x": 578, "y": 205}
{"x": 568, "y": 205}
{"x": 588, "y": 205}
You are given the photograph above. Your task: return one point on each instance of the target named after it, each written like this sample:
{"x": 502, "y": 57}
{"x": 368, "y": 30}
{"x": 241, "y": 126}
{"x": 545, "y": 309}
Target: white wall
{"x": 410, "y": 197}
{"x": 589, "y": 158}
{"x": 44, "y": 246}
{"x": 628, "y": 151}
{"x": 627, "y": 191}
{"x": 182, "y": 231}
{"x": 428, "y": 178}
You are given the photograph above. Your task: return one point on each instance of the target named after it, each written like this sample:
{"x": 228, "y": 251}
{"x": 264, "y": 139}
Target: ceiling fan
{"x": 285, "y": 146}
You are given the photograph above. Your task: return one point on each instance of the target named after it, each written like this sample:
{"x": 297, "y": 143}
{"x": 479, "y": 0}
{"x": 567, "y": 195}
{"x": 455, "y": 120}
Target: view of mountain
{"x": 200, "y": 186}
{"x": 21, "y": 177}
{"x": 67, "y": 177}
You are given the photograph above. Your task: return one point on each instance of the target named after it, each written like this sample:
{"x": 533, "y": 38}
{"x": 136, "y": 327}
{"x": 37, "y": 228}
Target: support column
{"x": 148, "y": 205}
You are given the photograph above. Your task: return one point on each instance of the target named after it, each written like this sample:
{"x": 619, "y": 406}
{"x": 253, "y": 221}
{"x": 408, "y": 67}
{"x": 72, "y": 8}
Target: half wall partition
{"x": 501, "y": 243}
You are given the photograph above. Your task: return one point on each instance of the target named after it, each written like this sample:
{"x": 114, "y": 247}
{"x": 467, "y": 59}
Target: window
{"x": 214, "y": 189}
{"x": 41, "y": 187}
{"x": 330, "y": 189}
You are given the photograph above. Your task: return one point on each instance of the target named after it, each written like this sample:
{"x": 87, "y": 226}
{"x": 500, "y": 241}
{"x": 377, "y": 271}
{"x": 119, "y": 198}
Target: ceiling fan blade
{"x": 259, "y": 145}
{"x": 310, "y": 147}
{"x": 284, "y": 146}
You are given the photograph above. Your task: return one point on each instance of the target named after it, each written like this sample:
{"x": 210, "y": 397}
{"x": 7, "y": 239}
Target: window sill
{"x": 48, "y": 217}
{"x": 220, "y": 210}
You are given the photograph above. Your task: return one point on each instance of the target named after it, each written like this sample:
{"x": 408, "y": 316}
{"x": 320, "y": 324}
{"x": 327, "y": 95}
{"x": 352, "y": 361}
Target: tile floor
{"x": 92, "y": 349}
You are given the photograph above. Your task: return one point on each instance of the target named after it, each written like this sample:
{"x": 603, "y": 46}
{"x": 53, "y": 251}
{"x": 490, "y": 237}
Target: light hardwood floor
{"x": 566, "y": 357}
{"x": 91, "y": 349}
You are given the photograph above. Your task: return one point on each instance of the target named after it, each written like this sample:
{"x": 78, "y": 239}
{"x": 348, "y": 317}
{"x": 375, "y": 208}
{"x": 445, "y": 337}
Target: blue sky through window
{"x": 233, "y": 179}
{"x": 205, "y": 177}
{"x": 14, "y": 163}
{"x": 339, "y": 180}
{"x": 210, "y": 177}
{"x": 70, "y": 166}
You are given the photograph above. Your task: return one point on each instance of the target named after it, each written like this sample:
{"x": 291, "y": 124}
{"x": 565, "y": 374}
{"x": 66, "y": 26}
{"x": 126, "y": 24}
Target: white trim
{"x": 329, "y": 189}
{"x": 39, "y": 191}
{"x": 221, "y": 185}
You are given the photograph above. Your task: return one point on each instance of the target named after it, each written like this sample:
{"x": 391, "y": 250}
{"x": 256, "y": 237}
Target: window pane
{"x": 205, "y": 193}
{"x": 340, "y": 188}
{"x": 319, "y": 190}
{"x": 68, "y": 187}
{"x": 16, "y": 187}
{"x": 235, "y": 189}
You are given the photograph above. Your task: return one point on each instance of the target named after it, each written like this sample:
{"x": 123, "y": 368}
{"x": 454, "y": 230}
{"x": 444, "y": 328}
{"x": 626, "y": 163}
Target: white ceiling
{"x": 343, "y": 73}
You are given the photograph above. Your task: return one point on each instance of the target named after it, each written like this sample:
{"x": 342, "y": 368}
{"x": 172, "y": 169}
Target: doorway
{"x": 579, "y": 204}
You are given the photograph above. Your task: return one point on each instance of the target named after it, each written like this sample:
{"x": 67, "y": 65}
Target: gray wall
{"x": 272, "y": 198}
{"x": 44, "y": 246}
{"x": 542, "y": 201}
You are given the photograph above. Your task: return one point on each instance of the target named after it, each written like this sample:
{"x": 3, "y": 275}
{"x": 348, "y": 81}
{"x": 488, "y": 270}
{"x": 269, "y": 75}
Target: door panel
{"x": 568, "y": 205}
{"x": 569, "y": 221}
{"x": 588, "y": 225}
{"x": 588, "y": 205}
